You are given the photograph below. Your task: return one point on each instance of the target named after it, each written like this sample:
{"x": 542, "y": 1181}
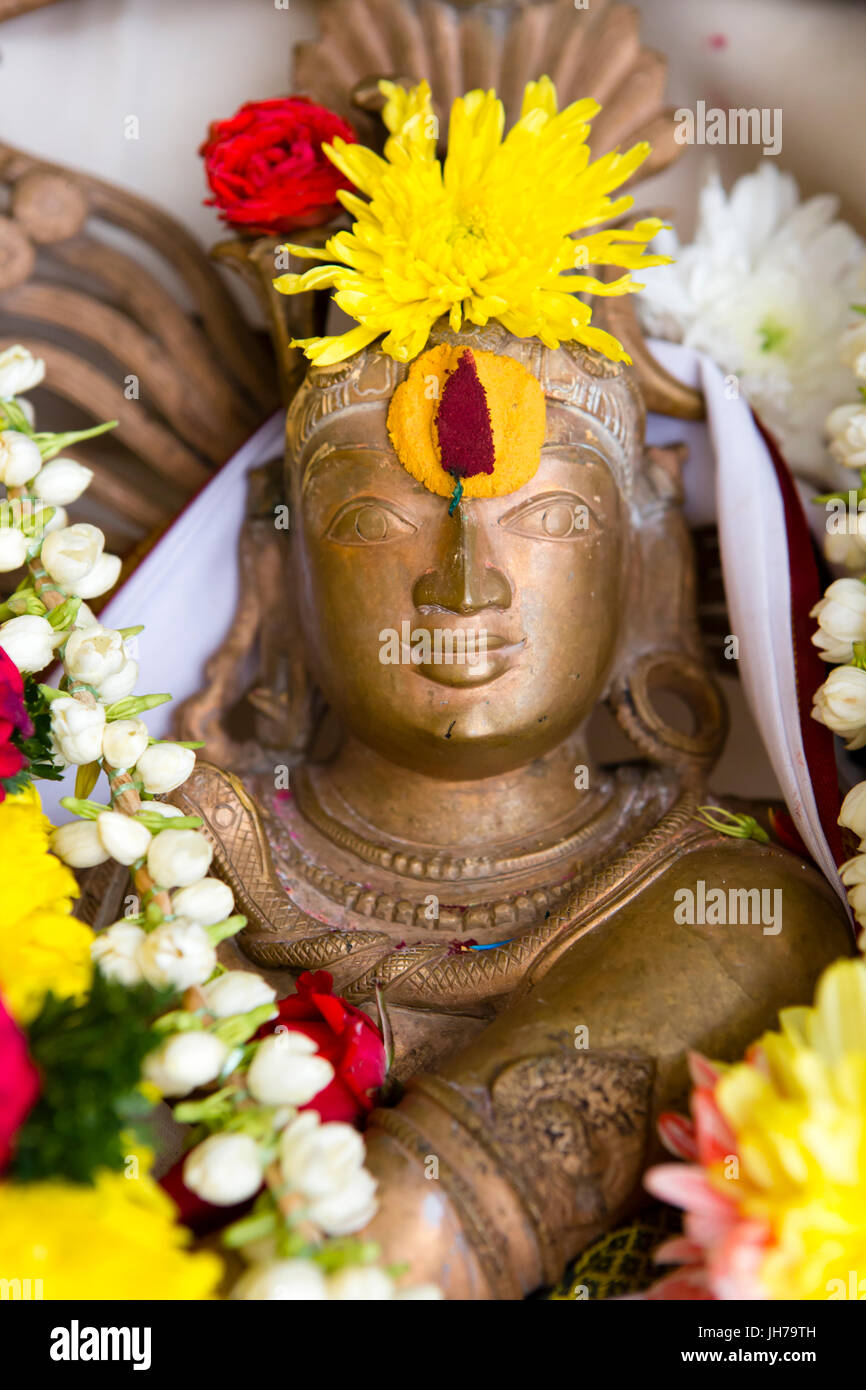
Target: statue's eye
{"x": 367, "y": 521}
{"x": 558, "y": 516}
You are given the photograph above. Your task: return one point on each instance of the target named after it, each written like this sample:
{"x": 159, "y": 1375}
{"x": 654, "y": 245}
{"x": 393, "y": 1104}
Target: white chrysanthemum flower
{"x": 765, "y": 290}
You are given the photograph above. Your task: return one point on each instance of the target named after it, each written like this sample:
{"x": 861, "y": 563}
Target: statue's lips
{"x": 496, "y": 657}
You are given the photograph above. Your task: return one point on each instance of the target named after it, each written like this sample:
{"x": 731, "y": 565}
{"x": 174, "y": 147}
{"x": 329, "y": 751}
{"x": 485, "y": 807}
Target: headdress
{"x": 498, "y": 230}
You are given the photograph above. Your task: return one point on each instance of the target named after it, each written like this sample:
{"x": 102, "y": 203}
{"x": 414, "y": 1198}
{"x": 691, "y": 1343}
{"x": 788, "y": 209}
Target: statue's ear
{"x": 256, "y": 701}
{"x": 663, "y": 671}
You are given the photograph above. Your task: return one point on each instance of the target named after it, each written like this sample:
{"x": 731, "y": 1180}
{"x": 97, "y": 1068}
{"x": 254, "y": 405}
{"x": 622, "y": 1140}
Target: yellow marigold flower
{"x": 115, "y": 1240}
{"x": 42, "y": 946}
{"x": 798, "y": 1111}
{"x": 497, "y": 231}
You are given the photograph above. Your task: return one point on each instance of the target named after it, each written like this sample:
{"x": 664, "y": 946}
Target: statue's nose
{"x": 465, "y": 580}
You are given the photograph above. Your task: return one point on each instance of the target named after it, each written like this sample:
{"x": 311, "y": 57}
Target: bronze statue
{"x": 435, "y": 832}
{"x": 450, "y": 847}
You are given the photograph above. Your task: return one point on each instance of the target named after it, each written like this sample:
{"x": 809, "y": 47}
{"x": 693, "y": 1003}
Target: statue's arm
{"x": 534, "y": 1139}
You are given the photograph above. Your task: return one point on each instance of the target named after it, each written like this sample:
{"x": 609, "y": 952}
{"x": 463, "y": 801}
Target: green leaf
{"x": 38, "y": 747}
{"x": 22, "y": 603}
{"x": 259, "y": 1223}
{"x": 48, "y": 693}
{"x": 15, "y": 418}
{"x": 89, "y": 1056}
{"x": 239, "y": 1028}
{"x": 219, "y": 931}
{"x": 154, "y": 822}
{"x": 80, "y": 806}
{"x": 64, "y": 614}
{"x": 133, "y": 705}
{"x": 50, "y": 445}
{"x": 86, "y": 779}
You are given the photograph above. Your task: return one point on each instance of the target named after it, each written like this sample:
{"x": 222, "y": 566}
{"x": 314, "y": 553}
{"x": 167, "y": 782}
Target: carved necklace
{"x": 634, "y": 799}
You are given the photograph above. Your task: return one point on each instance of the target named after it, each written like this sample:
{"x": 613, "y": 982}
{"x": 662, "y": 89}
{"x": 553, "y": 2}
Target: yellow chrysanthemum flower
{"x": 799, "y": 1115}
{"x": 42, "y": 946}
{"x": 115, "y": 1240}
{"x": 496, "y": 232}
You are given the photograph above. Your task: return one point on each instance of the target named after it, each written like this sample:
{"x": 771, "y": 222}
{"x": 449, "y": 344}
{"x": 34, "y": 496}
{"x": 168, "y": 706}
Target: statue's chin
{"x": 464, "y": 741}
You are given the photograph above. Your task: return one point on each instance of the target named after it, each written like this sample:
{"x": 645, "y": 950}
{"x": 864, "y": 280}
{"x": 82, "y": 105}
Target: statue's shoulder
{"x": 731, "y": 882}
{"x": 702, "y": 950}
{"x": 750, "y": 906}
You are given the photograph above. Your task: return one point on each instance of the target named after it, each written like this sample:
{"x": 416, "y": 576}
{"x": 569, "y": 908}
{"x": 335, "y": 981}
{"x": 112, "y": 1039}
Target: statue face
{"x": 525, "y": 591}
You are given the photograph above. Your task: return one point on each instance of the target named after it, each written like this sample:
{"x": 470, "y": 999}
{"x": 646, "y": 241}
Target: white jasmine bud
{"x": 162, "y": 808}
{"x": 13, "y": 549}
{"x": 177, "y": 858}
{"x": 126, "y": 840}
{"x": 61, "y": 481}
{"x": 165, "y": 766}
{"x": 224, "y": 1169}
{"x": 124, "y": 741}
{"x": 841, "y": 615}
{"x": 857, "y": 899}
{"x": 185, "y": 1061}
{"x": 360, "y": 1284}
{"x": 115, "y": 951}
{"x": 324, "y": 1162}
{"x": 20, "y": 458}
{"x": 85, "y": 617}
{"x": 237, "y": 992}
{"x": 70, "y": 553}
{"x": 286, "y": 1070}
{"x": 208, "y": 901}
{"x": 348, "y": 1210}
{"x": 840, "y": 703}
{"x": 78, "y": 844}
{"x": 20, "y": 371}
{"x": 28, "y": 641}
{"x": 93, "y": 653}
{"x": 98, "y": 580}
{"x": 282, "y": 1280}
{"x": 853, "y": 811}
{"x": 176, "y": 955}
{"x": 56, "y": 522}
{"x": 77, "y": 729}
{"x": 121, "y": 684}
{"x": 853, "y": 871}
{"x": 846, "y": 426}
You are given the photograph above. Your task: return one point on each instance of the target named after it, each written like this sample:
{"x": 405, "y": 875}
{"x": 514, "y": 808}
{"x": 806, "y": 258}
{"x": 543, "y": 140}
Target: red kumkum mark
{"x": 463, "y": 422}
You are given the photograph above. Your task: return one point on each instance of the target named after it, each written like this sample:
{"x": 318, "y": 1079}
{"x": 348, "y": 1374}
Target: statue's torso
{"x": 314, "y": 902}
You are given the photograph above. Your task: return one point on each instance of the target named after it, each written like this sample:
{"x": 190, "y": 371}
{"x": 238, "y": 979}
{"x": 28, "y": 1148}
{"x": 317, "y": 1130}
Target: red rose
{"x": 267, "y": 169}
{"x": 13, "y": 719}
{"x": 352, "y": 1044}
{"x": 19, "y": 1083}
{"x": 346, "y": 1036}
